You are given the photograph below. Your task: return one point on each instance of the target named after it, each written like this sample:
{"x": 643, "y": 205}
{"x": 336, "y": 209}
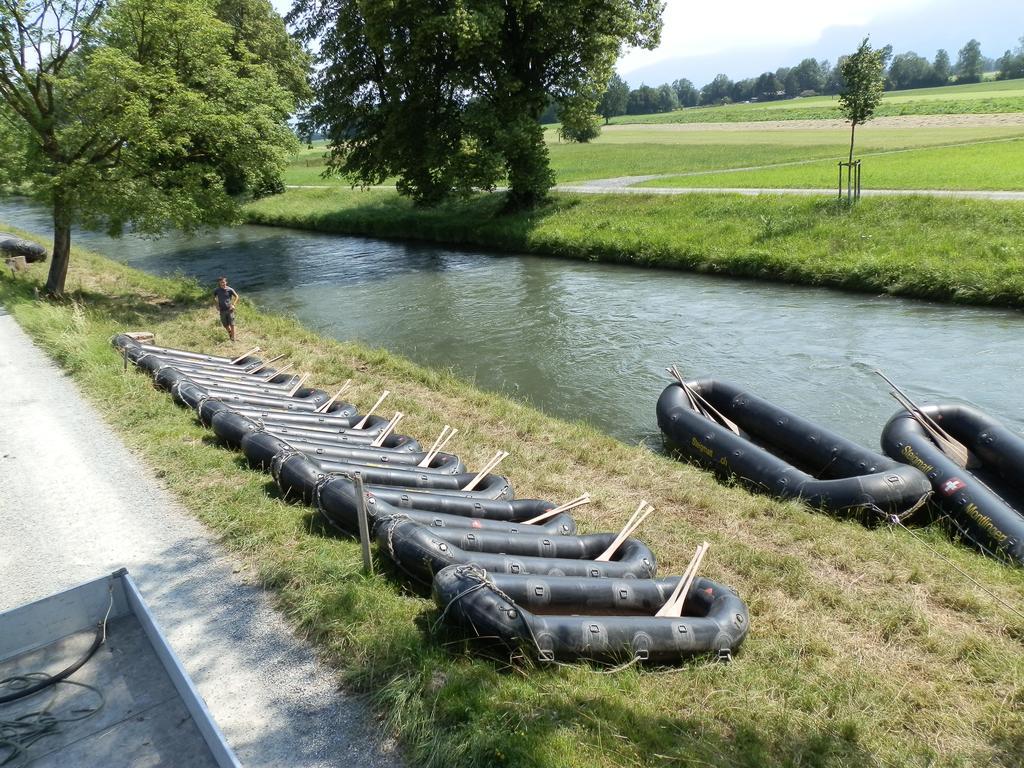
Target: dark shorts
{"x": 227, "y": 317}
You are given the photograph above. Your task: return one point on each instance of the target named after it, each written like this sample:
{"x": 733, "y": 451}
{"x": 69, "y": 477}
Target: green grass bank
{"x": 865, "y": 648}
{"x": 948, "y": 250}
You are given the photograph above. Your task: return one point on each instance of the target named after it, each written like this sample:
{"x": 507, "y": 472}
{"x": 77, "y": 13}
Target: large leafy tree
{"x": 969, "y": 63}
{"x": 615, "y": 99}
{"x": 862, "y": 86}
{"x": 445, "y": 94}
{"x": 148, "y": 113}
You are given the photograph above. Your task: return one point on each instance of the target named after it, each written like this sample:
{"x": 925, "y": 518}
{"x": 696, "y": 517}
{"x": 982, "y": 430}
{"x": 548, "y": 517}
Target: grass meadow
{"x": 866, "y": 648}
{"x": 636, "y": 150}
{"x": 993, "y": 165}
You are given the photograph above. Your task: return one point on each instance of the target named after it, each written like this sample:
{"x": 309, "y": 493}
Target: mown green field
{"x": 634, "y": 152}
{"x": 667, "y": 149}
{"x": 866, "y": 648}
{"x": 988, "y": 166}
{"x": 990, "y": 97}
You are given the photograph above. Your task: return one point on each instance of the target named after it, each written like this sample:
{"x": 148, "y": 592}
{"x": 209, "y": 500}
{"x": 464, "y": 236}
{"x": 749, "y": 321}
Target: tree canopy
{"x": 446, "y": 94}
{"x": 969, "y": 63}
{"x": 149, "y": 113}
{"x": 862, "y": 89}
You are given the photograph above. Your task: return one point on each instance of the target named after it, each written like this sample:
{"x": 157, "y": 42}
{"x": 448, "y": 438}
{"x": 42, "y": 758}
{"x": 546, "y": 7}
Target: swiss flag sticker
{"x": 952, "y": 485}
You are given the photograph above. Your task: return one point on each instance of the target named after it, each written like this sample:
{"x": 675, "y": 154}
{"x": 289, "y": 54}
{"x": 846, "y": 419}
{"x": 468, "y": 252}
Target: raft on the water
{"x": 785, "y": 455}
{"x": 428, "y": 512}
{"x": 985, "y": 501}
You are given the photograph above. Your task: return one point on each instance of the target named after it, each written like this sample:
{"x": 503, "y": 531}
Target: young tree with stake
{"x": 863, "y": 85}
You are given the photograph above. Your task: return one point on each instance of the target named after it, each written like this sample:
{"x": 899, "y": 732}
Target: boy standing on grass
{"x": 226, "y": 298}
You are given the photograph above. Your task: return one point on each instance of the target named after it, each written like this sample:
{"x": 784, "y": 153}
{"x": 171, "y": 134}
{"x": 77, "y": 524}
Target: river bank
{"x": 964, "y": 251}
{"x": 850, "y": 626}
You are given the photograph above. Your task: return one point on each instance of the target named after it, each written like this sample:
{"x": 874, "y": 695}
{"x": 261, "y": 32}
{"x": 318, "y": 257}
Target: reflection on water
{"x": 586, "y": 341}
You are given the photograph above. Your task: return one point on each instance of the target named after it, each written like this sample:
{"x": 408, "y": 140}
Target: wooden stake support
{"x": 327, "y": 406}
{"x": 489, "y": 467}
{"x": 674, "y": 605}
{"x": 577, "y": 502}
{"x": 369, "y": 413}
{"x": 364, "y": 523}
{"x": 631, "y": 525}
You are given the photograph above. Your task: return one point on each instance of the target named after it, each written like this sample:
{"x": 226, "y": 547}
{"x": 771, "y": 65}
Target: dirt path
{"x": 75, "y": 505}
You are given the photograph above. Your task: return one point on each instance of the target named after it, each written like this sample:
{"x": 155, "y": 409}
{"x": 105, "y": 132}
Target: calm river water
{"x": 590, "y": 342}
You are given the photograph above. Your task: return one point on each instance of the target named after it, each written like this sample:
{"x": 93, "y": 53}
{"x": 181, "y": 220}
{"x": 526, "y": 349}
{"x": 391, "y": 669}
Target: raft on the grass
{"x": 772, "y": 450}
{"x": 983, "y": 498}
{"x": 430, "y": 514}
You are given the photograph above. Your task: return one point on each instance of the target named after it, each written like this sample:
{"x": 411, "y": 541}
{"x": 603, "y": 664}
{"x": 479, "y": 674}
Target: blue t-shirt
{"x": 224, "y": 296}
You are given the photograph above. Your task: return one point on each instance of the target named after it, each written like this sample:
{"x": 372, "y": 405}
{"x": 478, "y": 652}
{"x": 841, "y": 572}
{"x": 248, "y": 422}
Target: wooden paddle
{"x": 326, "y": 406}
{"x": 379, "y": 441}
{"x": 277, "y": 373}
{"x": 369, "y": 413}
{"x": 489, "y": 467}
{"x": 702, "y": 406}
{"x": 298, "y": 384}
{"x": 240, "y": 358}
{"x": 442, "y": 440}
{"x": 577, "y": 502}
{"x": 949, "y": 445}
{"x": 263, "y": 365}
{"x": 631, "y": 525}
{"x": 673, "y": 607}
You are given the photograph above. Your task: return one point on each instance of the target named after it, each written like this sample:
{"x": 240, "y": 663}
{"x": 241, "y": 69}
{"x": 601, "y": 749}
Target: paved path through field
{"x": 621, "y": 185}
{"x": 75, "y": 505}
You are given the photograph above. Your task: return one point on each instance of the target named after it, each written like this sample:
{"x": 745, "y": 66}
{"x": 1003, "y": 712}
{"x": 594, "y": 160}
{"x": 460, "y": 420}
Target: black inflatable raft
{"x": 15, "y": 246}
{"x": 564, "y": 618}
{"x": 782, "y": 454}
{"x": 985, "y": 504}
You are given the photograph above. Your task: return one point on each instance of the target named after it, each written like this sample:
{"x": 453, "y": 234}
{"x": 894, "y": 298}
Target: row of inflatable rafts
{"x": 947, "y": 458}
{"x": 507, "y": 570}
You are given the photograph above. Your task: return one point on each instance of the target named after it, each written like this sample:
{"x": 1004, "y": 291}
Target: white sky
{"x": 703, "y": 28}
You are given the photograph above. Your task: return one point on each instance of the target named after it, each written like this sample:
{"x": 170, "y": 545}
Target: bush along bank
{"x": 850, "y": 626}
{"x": 964, "y": 251}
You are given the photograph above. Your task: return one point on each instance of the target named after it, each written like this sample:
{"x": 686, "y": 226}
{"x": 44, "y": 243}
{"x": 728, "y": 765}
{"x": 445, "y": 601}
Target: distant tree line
{"x": 810, "y": 77}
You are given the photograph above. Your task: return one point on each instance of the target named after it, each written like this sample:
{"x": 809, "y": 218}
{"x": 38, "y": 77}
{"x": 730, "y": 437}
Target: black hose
{"x": 43, "y": 684}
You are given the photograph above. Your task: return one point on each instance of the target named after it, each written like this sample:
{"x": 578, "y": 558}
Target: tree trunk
{"x": 853, "y": 127}
{"x": 526, "y": 159}
{"x": 61, "y": 250}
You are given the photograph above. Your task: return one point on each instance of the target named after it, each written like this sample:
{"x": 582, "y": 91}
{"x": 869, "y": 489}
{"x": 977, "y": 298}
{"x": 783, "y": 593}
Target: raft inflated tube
{"x": 523, "y": 612}
{"x": 336, "y": 500}
{"x": 984, "y": 505}
{"x": 16, "y": 246}
{"x": 299, "y": 476}
{"x": 421, "y": 552}
{"x": 828, "y": 471}
{"x": 186, "y": 355}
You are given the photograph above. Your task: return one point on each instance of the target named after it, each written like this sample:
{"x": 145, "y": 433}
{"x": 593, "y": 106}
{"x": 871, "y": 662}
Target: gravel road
{"x": 75, "y": 504}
